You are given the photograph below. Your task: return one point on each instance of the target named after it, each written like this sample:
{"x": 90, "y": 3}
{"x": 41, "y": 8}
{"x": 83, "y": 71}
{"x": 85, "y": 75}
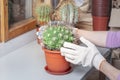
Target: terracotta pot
{"x": 100, "y": 23}
{"x": 56, "y": 64}
{"x": 42, "y": 23}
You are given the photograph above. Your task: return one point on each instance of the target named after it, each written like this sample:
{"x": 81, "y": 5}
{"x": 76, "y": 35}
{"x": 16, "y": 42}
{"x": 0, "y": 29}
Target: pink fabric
{"x": 113, "y": 39}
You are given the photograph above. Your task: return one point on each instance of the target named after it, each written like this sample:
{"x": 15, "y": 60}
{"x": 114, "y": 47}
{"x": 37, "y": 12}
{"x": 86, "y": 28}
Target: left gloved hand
{"x": 87, "y": 56}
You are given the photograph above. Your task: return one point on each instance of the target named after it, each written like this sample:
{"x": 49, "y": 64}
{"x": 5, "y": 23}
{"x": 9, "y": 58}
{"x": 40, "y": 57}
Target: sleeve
{"x": 118, "y": 77}
{"x": 113, "y": 39}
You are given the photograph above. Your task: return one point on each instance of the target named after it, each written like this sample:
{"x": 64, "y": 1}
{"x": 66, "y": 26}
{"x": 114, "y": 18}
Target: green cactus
{"x": 54, "y": 36}
{"x": 69, "y": 12}
{"x": 43, "y": 13}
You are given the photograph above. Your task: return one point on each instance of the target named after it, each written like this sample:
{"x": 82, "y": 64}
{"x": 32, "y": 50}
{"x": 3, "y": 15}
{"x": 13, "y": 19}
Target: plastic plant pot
{"x": 56, "y": 64}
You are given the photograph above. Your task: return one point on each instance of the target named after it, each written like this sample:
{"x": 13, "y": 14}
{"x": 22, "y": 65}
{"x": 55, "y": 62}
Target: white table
{"x": 28, "y": 62}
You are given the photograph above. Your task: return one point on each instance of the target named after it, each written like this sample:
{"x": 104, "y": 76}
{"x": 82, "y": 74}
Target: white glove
{"x": 86, "y": 55}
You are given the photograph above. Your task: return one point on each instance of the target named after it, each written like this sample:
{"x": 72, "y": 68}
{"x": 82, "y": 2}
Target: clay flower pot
{"x": 56, "y": 64}
{"x": 41, "y": 23}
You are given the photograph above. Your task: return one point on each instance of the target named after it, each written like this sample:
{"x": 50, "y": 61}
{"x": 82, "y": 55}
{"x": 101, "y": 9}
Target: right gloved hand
{"x": 87, "y": 56}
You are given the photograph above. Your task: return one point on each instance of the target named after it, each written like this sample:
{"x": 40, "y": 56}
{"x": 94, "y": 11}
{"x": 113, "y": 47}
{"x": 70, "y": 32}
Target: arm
{"x": 88, "y": 56}
{"x": 109, "y": 39}
{"x": 111, "y": 72}
{"x": 96, "y": 37}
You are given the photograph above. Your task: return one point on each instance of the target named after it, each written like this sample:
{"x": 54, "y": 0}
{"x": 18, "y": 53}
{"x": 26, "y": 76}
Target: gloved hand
{"x": 86, "y": 55}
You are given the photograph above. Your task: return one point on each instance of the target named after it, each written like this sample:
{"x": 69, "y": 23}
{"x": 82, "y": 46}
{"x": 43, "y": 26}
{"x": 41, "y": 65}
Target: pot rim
{"x": 51, "y": 51}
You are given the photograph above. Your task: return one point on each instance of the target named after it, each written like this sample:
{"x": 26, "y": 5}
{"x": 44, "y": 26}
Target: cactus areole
{"x": 55, "y": 35}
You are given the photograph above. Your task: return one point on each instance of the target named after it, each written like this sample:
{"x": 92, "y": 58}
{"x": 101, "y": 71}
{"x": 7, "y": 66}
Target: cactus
{"x": 67, "y": 12}
{"x": 55, "y": 35}
{"x": 43, "y": 13}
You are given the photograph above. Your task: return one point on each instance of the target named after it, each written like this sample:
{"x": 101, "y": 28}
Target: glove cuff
{"x": 97, "y": 61}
